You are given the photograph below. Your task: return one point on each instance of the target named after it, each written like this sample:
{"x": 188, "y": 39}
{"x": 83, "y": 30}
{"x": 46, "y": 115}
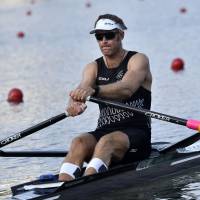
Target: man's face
{"x": 109, "y": 41}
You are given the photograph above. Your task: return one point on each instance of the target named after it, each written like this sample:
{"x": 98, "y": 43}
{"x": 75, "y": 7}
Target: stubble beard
{"x": 112, "y": 51}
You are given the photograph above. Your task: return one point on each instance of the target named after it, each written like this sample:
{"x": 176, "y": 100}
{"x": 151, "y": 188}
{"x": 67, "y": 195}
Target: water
{"x": 179, "y": 188}
{"x": 48, "y": 62}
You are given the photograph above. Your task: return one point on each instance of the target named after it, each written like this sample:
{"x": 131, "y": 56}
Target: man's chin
{"x": 106, "y": 53}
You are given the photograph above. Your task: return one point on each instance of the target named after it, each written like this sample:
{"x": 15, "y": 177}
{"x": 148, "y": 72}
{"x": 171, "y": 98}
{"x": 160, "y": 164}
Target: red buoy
{"x": 32, "y": 1}
{"x": 15, "y": 95}
{"x": 183, "y": 10}
{"x": 20, "y": 34}
{"x": 88, "y": 4}
{"x": 29, "y": 13}
{"x": 177, "y": 64}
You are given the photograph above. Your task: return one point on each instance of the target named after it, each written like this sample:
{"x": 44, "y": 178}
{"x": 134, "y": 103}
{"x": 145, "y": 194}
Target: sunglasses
{"x": 107, "y": 35}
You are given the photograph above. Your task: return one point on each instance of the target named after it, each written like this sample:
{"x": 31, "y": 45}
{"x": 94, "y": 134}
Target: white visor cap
{"x": 107, "y": 25}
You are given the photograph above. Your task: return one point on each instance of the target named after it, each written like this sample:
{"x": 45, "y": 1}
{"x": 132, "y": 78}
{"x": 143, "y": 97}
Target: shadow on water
{"x": 182, "y": 187}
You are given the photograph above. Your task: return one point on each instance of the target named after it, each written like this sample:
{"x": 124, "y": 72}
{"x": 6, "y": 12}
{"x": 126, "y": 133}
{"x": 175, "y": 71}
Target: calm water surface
{"x": 48, "y": 62}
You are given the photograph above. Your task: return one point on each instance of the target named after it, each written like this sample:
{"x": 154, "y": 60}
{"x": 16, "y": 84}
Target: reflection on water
{"x": 4, "y": 192}
{"x": 48, "y": 62}
{"x": 191, "y": 191}
{"x": 184, "y": 187}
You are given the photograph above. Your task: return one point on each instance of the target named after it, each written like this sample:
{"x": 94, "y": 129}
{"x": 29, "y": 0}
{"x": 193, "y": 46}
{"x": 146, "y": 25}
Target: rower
{"x": 119, "y": 75}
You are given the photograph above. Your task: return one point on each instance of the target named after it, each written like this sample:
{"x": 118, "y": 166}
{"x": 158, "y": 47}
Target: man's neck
{"x": 116, "y": 59}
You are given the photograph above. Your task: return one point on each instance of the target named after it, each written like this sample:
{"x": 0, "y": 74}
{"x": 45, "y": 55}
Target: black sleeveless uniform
{"x": 136, "y": 126}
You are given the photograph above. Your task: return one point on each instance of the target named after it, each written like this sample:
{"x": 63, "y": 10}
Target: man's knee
{"x": 83, "y": 145}
{"x": 78, "y": 143}
{"x": 105, "y": 142}
{"x": 104, "y": 146}
{"x": 116, "y": 144}
{"x": 115, "y": 140}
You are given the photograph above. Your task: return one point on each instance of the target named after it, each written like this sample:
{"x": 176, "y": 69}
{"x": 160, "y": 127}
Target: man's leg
{"x": 112, "y": 146}
{"x": 82, "y": 147}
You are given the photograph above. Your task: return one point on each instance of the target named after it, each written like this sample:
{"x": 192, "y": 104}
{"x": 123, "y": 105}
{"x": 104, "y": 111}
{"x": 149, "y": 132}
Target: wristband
{"x": 96, "y": 88}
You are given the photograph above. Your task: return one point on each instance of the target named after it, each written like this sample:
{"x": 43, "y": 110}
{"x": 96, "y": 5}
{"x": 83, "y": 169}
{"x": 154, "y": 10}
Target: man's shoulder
{"x": 139, "y": 61}
{"x": 91, "y": 65}
{"x": 140, "y": 56}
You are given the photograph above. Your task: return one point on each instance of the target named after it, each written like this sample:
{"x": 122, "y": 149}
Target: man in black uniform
{"x": 119, "y": 75}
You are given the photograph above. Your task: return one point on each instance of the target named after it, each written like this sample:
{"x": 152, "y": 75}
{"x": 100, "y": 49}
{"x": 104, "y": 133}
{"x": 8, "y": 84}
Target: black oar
{"x": 182, "y": 144}
{"x": 32, "y": 129}
{"x": 192, "y": 124}
{"x": 51, "y": 153}
{"x": 33, "y": 153}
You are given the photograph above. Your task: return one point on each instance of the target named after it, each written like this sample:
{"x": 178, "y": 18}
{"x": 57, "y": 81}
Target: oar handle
{"x": 192, "y": 124}
{"x": 32, "y": 129}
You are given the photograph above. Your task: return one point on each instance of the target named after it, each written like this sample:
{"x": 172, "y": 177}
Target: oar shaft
{"x": 33, "y": 153}
{"x": 32, "y": 129}
{"x": 183, "y": 143}
{"x": 145, "y": 112}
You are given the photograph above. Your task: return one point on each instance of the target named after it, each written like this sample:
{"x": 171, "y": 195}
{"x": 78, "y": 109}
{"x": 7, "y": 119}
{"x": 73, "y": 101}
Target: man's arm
{"x": 138, "y": 74}
{"x": 78, "y": 96}
{"x": 85, "y": 88}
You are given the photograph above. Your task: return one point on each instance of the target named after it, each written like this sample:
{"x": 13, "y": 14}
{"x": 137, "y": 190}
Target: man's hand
{"x": 75, "y": 108}
{"x": 81, "y": 94}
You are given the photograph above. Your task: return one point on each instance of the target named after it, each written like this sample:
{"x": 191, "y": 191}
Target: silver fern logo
{"x": 120, "y": 75}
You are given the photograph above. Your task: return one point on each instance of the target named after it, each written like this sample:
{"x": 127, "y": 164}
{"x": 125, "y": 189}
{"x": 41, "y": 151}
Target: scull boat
{"x": 163, "y": 161}
{"x": 128, "y": 173}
